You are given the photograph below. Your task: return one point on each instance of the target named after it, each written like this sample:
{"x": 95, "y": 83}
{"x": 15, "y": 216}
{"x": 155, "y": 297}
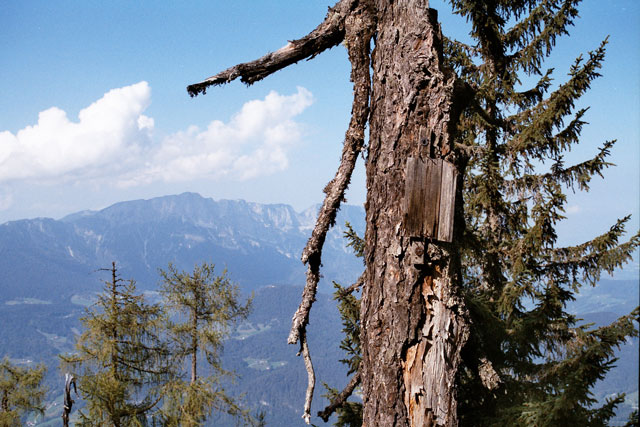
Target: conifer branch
{"x": 355, "y": 286}
{"x": 579, "y": 174}
{"x": 536, "y": 35}
{"x": 533, "y": 96}
{"x": 536, "y": 125}
{"x": 590, "y": 259}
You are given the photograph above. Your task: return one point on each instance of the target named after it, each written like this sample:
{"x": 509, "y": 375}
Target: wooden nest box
{"x": 429, "y": 199}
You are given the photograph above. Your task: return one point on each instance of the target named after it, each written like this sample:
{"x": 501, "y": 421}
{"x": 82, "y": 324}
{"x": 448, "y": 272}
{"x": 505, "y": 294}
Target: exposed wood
{"x": 432, "y": 203}
{"x": 447, "y": 202}
{"x": 427, "y": 364}
{"x": 311, "y": 378}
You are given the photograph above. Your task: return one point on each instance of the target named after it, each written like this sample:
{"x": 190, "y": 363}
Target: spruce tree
{"x": 527, "y": 362}
{"x": 121, "y": 362}
{"x": 205, "y": 307}
{"x": 21, "y": 392}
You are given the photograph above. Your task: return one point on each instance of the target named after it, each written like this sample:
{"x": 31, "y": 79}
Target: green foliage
{"x": 205, "y": 308}
{"x": 354, "y": 241}
{"x": 21, "y": 392}
{"x": 517, "y": 280}
{"x": 121, "y": 363}
{"x": 349, "y": 308}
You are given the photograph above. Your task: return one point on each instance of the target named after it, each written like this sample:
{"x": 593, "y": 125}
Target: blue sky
{"x": 94, "y": 108}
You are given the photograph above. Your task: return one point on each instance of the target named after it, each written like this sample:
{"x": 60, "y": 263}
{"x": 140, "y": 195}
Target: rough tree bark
{"x": 412, "y": 321}
{"x": 412, "y": 318}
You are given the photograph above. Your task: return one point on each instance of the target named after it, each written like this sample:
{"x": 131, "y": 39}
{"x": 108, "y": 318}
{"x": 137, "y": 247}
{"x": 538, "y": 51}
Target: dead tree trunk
{"x": 412, "y": 327}
{"x": 412, "y": 318}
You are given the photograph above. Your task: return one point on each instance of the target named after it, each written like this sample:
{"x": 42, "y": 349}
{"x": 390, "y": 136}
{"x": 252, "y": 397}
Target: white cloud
{"x": 113, "y": 140}
{"x": 107, "y": 132}
{"x": 252, "y": 144}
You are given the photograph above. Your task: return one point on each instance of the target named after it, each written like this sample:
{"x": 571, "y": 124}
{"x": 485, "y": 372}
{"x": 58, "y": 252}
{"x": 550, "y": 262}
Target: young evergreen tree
{"x": 21, "y": 392}
{"x": 205, "y": 308}
{"x": 121, "y": 362}
{"x": 527, "y": 363}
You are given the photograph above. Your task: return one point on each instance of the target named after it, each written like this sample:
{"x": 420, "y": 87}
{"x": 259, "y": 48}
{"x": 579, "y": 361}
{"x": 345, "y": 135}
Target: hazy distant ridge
{"x": 260, "y": 244}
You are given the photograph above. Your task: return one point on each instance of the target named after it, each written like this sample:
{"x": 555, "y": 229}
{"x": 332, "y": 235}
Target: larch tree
{"x": 204, "y": 308}
{"x": 21, "y": 392}
{"x": 121, "y": 362}
{"x": 460, "y": 218}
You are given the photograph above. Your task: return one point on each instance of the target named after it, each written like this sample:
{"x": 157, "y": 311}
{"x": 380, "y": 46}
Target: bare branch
{"x": 311, "y": 376}
{"x": 358, "y": 46}
{"x": 69, "y": 380}
{"x": 327, "y": 35}
{"x": 341, "y": 398}
{"x": 359, "y": 28}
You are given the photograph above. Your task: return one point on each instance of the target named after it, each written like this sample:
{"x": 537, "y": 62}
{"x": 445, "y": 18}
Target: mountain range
{"x": 50, "y": 271}
{"x": 258, "y": 244}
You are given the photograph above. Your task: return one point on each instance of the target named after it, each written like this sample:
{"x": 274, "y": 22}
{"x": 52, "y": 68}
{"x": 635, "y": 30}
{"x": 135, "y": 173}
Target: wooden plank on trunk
{"x": 447, "y": 201}
{"x": 429, "y": 199}
{"x": 415, "y": 184}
